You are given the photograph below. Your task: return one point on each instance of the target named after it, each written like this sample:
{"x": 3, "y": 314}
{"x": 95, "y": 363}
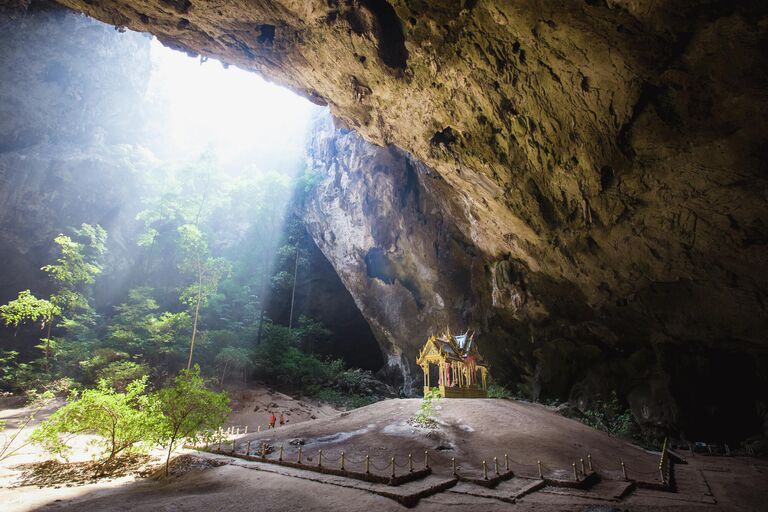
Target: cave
{"x": 581, "y": 184}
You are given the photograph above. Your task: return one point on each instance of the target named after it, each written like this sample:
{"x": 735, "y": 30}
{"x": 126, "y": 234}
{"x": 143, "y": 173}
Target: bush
{"x": 499, "y": 391}
{"x": 119, "y": 374}
{"x": 188, "y": 409}
{"x": 609, "y": 416}
{"x": 125, "y": 422}
{"x": 345, "y": 400}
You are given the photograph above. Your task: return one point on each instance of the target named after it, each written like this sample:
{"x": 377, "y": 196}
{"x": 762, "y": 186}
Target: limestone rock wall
{"x": 68, "y": 118}
{"x": 376, "y": 215}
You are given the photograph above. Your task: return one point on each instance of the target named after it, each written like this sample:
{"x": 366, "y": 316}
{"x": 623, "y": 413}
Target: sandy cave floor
{"x": 468, "y": 430}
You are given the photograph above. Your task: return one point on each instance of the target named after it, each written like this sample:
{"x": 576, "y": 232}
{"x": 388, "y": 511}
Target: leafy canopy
{"x": 28, "y": 308}
{"x": 187, "y": 409}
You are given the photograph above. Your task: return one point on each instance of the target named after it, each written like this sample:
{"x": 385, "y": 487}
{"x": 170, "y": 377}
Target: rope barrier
{"x": 579, "y": 468}
{"x": 379, "y": 468}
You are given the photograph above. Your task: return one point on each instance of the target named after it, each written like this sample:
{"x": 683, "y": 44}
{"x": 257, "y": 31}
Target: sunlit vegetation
{"x": 135, "y": 420}
{"x": 209, "y": 247}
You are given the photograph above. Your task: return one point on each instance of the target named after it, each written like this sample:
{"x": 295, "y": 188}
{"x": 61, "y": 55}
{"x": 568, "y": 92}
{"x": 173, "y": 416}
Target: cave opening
{"x": 626, "y": 202}
{"x": 193, "y": 169}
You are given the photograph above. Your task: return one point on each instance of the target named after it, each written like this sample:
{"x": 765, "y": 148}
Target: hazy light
{"x": 236, "y": 113}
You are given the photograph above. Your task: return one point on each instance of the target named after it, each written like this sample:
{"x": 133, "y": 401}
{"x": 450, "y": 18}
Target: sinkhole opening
{"x": 161, "y": 193}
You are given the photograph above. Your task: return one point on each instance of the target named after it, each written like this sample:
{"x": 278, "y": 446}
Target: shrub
{"x": 499, "y": 391}
{"x": 124, "y": 422}
{"x": 118, "y": 374}
{"x": 424, "y": 418}
{"x": 609, "y": 416}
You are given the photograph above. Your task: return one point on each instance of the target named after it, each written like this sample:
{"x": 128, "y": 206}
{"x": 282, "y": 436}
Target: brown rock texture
{"x": 606, "y": 158}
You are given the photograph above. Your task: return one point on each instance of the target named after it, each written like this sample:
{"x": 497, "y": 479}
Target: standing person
{"x": 282, "y": 419}
{"x": 272, "y": 420}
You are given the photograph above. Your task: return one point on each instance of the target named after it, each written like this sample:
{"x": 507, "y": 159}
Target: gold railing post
{"x": 538, "y": 463}
{"x": 485, "y": 471}
{"x": 392, "y": 462}
{"x": 367, "y": 464}
{"x": 246, "y": 429}
{"x": 410, "y": 462}
{"x": 281, "y": 454}
{"x": 589, "y": 461}
{"x": 426, "y": 459}
{"x": 320, "y": 458}
{"x": 258, "y": 428}
{"x": 453, "y": 464}
{"x": 248, "y": 449}
{"x": 623, "y": 469}
{"x": 583, "y": 469}
{"x": 299, "y": 454}
{"x": 496, "y": 465}
{"x": 342, "y": 460}
{"x": 506, "y": 462}
{"x": 575, "y": 474}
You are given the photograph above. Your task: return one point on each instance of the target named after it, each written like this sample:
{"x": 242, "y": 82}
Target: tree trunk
{"x": 197, "y": 312}
{"x": 293, "y": 292}
{"x": 263, "y": 299}
{"x": 48, "y": 346}
{"x": 224, "y": 374}
{"x": 170, "y": 449}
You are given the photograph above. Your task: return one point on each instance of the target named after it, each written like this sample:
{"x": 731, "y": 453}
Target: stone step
{"x": 607, "y": 490}
{"x": 509, "y": 490}
{"x": 408, "y": 493}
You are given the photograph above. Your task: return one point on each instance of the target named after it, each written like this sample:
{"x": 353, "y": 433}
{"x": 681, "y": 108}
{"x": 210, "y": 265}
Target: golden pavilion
{"x": 454, "y": 365}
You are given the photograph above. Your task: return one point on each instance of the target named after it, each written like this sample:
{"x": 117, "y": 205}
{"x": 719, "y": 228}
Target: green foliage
{"x": 425, "y": 416}
{"x": 124, "y": 422}
{"x": 280, "y": 360}
{"x": 188, "y": 409}
{"x": 76, "y": 267}
{"x": 232, "y": 358}
{"x": 28, "y": 308}
{"x": 345, "y": 400}
{"x": 8, "y": 367}
{"x": 609, "y": 416}
{"x": 496, "y": 390}
{"x": 119, "y": 374}
{"x": 78, "y": 261}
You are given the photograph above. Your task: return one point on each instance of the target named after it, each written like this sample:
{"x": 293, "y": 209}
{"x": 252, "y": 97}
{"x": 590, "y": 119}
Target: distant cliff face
{"x": 68, "y": 117}
{"x": 375, "y": 213}
{"x": 600, "y": 179}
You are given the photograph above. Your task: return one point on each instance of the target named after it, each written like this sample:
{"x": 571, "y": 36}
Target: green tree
{"x": 28, "y": 308}
{"x": 208, "y": 272}
{"x": 232, "y": 358}
{"x": 188, "y": 409}
{"x": 76, "y": 267}
{"x": 126, "y": 421}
